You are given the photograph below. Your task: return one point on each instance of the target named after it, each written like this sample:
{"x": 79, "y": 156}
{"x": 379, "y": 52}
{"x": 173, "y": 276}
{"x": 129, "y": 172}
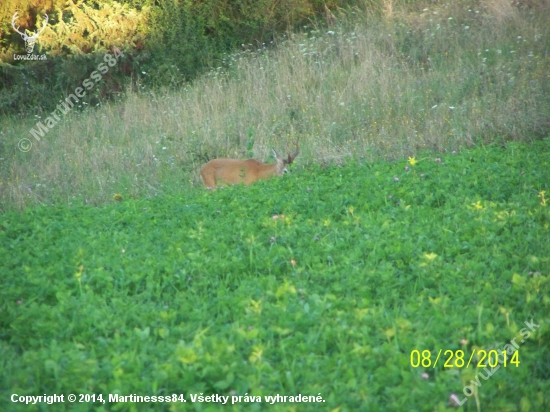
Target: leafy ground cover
{"x": 321, "y": 282}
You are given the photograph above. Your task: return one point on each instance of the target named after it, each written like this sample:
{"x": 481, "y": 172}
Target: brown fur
{"x": 234, "y": 171}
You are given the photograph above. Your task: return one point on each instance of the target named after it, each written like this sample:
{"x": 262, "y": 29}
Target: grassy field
{"x": 321, "y": 283}
{"x": 410, "y": 241}
{"x": 433, "y": 76}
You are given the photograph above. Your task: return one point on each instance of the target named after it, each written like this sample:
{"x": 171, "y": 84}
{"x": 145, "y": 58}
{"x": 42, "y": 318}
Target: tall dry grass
{"x": 453, "y": 74}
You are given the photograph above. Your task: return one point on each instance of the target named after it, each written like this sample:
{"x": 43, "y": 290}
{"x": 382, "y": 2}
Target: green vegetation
{"x": 458, "y": 74}
{"x": 166, "y": 42}
{"x": 318, "y": 282}
{"x": 416, "y": 219}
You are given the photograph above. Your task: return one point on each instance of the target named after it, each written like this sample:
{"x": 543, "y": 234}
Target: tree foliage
{"x": 169, "y": 40}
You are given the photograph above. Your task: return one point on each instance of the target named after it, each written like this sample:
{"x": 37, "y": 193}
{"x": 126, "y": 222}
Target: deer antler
{"x": 16, "y": 28}
{"x": 24, "y": 35}
{"x": 35, "y": 36}
{"x": 291, "y": 157}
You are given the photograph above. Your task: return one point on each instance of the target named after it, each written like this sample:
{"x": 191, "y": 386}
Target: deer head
{"x": 29, "y": 40}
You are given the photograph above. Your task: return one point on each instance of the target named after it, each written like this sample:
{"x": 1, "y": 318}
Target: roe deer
{"x": 231, "y": 171}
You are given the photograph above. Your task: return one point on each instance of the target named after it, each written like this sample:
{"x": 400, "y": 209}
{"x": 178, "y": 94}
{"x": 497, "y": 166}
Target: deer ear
{"x": 275, "y": 154}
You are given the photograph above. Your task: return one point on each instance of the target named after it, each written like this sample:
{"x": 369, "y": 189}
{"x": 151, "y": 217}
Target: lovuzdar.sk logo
{"x": 30, "y": 41}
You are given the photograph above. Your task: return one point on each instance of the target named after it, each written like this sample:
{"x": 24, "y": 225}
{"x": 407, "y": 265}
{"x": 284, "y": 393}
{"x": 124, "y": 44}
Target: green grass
{"x": 207, "y": 292}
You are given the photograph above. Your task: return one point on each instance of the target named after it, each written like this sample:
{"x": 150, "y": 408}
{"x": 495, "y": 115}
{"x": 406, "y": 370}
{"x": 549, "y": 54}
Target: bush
{"x": 167, "y": 43}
